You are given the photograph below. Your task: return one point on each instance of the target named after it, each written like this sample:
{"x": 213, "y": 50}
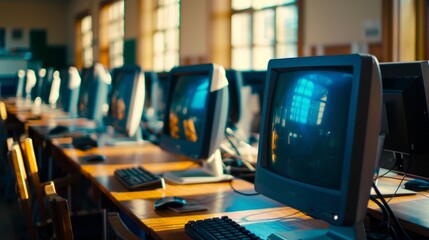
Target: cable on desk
{"x": 385, "y": 222}
{"x": 242, "y": 193}
{"x": 391, "y": 214}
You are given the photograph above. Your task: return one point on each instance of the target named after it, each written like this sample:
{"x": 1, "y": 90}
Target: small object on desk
{"x": 58, "y": 130}
{"x": 34, "y": 118}
{"x": 84, "y": 143}
{"x": 138, "y": 179}
{"x": 93, "y": 158}
{"x": 172, "y": 201}
{"x": 417, "y": 185}
{"x": 218, "y": 228}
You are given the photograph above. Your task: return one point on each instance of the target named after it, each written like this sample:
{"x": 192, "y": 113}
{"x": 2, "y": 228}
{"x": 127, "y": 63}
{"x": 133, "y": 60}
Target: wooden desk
{"x": 260, "y": 214}
{"x": 219, "y": 198}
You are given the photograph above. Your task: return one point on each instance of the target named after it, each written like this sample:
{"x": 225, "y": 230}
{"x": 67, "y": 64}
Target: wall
{"x": 193, "y": 31}
{"x": 334, "y": 22}
{"x": 327, "y": 22}
{"x": 40, "y": 14}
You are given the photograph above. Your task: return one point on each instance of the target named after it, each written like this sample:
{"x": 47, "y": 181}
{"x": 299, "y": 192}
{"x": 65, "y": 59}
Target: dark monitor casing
{"x": 93, "y": 92}
{"x": 69, "y": 90}
{"x": 235, "y": 82}
{"x": 133, "y": 95}
{"x": 214, "y": 118}
{"x": 405, "y": 119}
{"x": 347, "y": 205}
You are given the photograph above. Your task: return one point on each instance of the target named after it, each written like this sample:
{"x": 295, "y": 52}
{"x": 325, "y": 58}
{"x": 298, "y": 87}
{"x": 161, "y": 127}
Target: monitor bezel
{"x": 133, "y": 113}
{"x": 361, "y": 142}
{"x": 214, "y": 125}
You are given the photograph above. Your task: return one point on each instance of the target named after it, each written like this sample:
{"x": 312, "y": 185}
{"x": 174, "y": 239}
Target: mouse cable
{"x": 386, "y": 216}
{"x": 242, "y": 193}
{"x": 389, "y": 210}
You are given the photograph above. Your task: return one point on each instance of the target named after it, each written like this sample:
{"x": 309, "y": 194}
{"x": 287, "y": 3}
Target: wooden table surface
{"x": 258, "y": 213}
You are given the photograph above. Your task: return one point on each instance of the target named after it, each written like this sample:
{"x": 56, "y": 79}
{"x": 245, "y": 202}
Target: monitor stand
{"x": 211, "y": 171}
{"x": 356, "y": 231}
{"x": 137, "y": 139}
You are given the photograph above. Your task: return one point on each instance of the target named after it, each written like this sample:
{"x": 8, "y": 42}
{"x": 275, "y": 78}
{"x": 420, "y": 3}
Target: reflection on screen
{"x": 187, "y": 110}
{"x": 120, "y": 99}
{"x": 308, "y": 122}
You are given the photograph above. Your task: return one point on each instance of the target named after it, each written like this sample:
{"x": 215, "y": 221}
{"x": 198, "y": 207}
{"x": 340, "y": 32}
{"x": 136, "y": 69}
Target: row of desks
{"x": 258, "y": 213}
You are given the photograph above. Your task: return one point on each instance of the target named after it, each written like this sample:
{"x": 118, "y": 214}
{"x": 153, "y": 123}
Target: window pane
{"x": 287, "y": 24}
{"x": 263, "y": 27}
{"x": 261, "y": 56}
{"x": 240, "y": 4}
{"x": 173, "y": 15}
{"x": 158, "y": 42}
{"x": 86, "y": 23}
{"x": 171, "y": 38}
{"x": 158, "y": 62}
{"x": 286, "y": 1}
{"x": 241, "y": 58}
{"x": 287, "y": 50}
{"x": 241, "y": 29}
{"x": 160, "y": 18}
{"x": 171, "y": 59}
{"x": 258, "y": 4}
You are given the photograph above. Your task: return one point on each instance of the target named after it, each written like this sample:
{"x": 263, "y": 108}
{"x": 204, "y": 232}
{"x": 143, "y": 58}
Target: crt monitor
{"x": 406, "y": 120}
{"x": 235, "y": 83}
{"x": 93, "y": 92}
{"x": 69, "y": 90}
{"x": 195, "y": 119}
{"x": 319, "y": 135}
{"x": 153, "y": 113}
{"x": 256, "y": 81}
{"x": 126, "y": 100}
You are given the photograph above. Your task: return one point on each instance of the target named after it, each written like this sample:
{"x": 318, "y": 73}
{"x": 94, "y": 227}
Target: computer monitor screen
{"x": 69, "y": 90}
{"x": 93, "y": 92}
{"x": 126, "y": 99}
{"x": 319, "y": 136}
{"x": 406, "y": 120}
{"x": 196, "y": 111}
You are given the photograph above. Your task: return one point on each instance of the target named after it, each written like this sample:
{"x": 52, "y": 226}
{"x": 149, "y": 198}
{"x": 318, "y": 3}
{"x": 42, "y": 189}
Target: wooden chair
{"x": 22, "y": 188}
{"x": 60, "y": 214}
{"x": 119, "y": 229}
{"x": 64, "y": 226}
{"x": 33, "y": 173}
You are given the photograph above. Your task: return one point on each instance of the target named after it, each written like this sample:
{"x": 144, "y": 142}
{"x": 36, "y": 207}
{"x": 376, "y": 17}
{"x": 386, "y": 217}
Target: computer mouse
{"x": 84, "y": 143}
{"x": 165, "y": 202}
{"x": 417, "y": 185}
{"x": 59, "y": 130}
{"x": 93, "y": 158}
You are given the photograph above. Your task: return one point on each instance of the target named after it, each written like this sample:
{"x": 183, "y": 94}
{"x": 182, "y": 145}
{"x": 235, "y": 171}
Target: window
{"x": 261, "y": 30}
{"x": 116, "y": 34}
{"x": 111, "y": 40}
{"x": 86, "y": 41}
{"x": 166, "y": 35}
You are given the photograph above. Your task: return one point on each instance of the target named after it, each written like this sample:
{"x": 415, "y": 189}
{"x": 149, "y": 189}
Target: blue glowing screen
{"x": 309, "y": 116}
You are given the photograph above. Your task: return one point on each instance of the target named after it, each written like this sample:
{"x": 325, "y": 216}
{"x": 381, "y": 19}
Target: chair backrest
{"x": 22, "y": 188}
{"x": 3, "y": 111}
{"x": 60, "y": 214}
{"x": 33, "y": 173}
{"x": 119, "y": 229}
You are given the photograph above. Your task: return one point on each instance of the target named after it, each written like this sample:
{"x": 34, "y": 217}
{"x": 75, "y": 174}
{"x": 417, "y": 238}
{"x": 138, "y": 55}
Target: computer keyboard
{"x": 138, "y": 178}
{"x": 218, "y": 228}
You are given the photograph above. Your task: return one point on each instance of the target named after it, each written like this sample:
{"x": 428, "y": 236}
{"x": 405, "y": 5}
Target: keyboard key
{"x": 218, "y": 228}
{"x": 138, "y": 178}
